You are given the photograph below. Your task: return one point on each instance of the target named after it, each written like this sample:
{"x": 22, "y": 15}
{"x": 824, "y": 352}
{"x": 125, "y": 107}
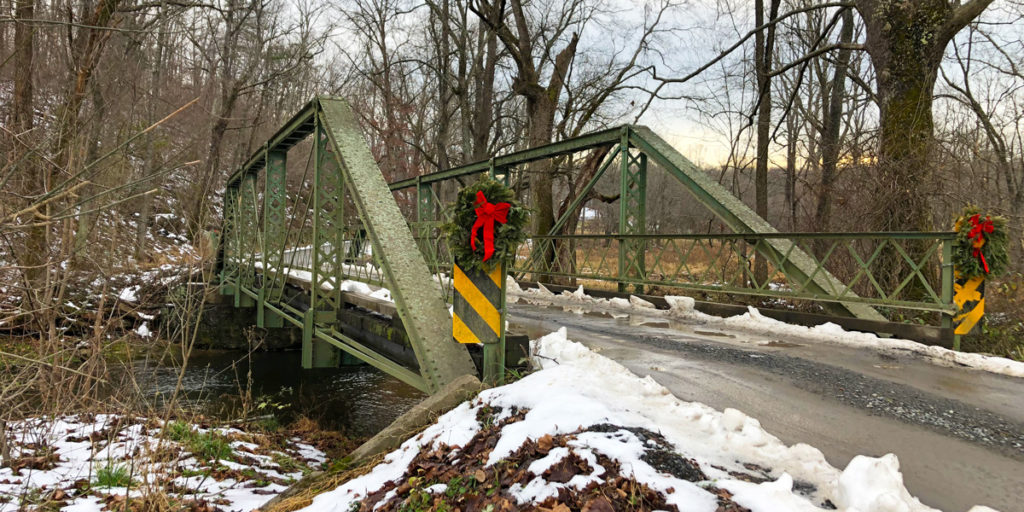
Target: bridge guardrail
{"x": 724, "y": 263}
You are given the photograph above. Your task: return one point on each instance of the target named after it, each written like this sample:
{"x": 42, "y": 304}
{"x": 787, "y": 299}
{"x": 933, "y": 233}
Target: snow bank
{"x": 576, "y": 388}
{"x": 754, "y": 322}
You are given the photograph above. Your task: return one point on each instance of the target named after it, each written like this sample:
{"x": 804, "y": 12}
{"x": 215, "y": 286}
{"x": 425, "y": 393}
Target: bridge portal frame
{"x": 342, "y": 162}
{"x": 634, "y": 147}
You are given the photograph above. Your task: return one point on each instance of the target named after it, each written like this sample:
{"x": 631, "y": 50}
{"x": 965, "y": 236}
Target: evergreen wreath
{"x": 507, "y": 236}
{"x": 969, "y": 263}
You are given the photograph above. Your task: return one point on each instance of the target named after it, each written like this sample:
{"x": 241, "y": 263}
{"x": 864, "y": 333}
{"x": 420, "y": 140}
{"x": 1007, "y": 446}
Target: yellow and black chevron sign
{"x": 969, "y": 296}
{"x": 476, "y": 317}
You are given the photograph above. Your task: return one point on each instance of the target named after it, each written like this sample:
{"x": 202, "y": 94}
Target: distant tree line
{"x": 845, "y": 115}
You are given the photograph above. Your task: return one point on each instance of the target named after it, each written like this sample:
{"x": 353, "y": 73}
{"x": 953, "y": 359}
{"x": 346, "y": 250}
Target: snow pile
{"x": 754, "y": 322}
{"x": 84, "y": 463}
{"x": 129, "y": 294}
{"x": 588, "y": 420}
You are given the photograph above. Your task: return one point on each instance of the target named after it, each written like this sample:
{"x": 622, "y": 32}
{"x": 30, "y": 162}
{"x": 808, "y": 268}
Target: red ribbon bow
{"x": 486, "y": 215}
{"x": 977, "y": 235}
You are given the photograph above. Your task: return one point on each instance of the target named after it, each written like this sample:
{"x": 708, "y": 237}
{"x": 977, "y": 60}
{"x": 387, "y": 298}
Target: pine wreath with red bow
{"x": 487, "y": 225}
{"x": 980, "y": 247}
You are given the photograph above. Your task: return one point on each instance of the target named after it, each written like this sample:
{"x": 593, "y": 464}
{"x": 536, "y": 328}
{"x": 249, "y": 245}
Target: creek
{"x": 356, "y": 400}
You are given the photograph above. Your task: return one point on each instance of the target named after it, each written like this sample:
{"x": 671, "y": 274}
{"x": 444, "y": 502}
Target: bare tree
{"x": 906, "y": 42}
{"x": 831, "y": 123}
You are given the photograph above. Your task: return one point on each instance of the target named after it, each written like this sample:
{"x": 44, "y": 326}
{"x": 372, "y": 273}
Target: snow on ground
{"x": 129, "y": 294}
{"x": 72, "y": 460}
{"x": 754, "y": 322}
{"x": 608, "y": 418}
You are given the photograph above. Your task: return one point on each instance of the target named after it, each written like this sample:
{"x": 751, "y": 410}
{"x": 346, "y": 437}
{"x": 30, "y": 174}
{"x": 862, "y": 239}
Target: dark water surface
{"x": 358, "y": 400}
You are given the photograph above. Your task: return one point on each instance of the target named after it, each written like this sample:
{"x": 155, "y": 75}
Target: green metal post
{"x": 494, "y": 353}
{"x": 424, "y": 216}
{"x": 274, "y": 197}
{"x": 307, "y": 339}
{"x": 424, "y": 202}
{"x": 249, "y": 239}
{"x": 229, "y": 239}
{"x": 632, "y": 213}
{"x": 640, "y": 225}
{"x": 328, "y": 229}
{"x": 947, "y": 289}
{"x": 261, "y": 302}
{"x": 326, "y": 355}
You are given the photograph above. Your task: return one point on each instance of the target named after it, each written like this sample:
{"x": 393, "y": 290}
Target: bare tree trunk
{"x": 444, "y": 89}
{"x": 831, "y": 125}
{"x": 153, "y": 162}
{"x": 5, "y": 450}
{"x": 24, "y": 51}
{"x": 483, "y": 107}
{"x": 230, "y": 89}
{"x": 87, "y": 220}
{"x": 764, "y": 41}
{"x": 791, "y": 152}
{"x": 22, "y": 120}
{"x": 906, "y": 42}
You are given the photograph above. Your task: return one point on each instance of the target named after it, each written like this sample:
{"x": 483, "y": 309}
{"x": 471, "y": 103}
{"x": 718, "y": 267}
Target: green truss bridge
{"x": 315, "y": 237}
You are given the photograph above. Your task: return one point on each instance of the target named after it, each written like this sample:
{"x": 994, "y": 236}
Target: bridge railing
{"x": 725, "y": 264}
{"x": 357, "y": 263}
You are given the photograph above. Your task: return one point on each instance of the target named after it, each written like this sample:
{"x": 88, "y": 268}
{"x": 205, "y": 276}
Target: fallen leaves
{"x": 473, "y": 486}
{"x": 599, "y": 504}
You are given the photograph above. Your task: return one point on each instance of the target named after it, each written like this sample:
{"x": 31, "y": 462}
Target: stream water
{"x": 357, "y": 400}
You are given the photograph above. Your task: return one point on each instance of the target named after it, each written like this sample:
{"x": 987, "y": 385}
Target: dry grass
{"x": 301, "y": 494}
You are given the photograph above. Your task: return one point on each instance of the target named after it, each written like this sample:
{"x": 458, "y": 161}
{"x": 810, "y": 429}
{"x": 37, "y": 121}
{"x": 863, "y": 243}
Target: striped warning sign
{"x": 969, "y": 296}
{"x": 475, "y": 316}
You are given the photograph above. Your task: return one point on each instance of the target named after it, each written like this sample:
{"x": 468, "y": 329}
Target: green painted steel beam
{"x": 248, "y": 222}
{"x": 632, "y": 212}
{"x": 553, "y": 150}
{"x": 370, "y": 357}
{"x": 274, "y": 198}
{"x": 328, "y": 226}
{"x": 424, "y": 201}
{"x": 740, "y": 218}
{"x": 780, "y": 235}
{"x": 296, "y": 129}
{"x": 754, "y": 292}
{"x": 228, "y": 252}
{"x": 290, "y": 317}
{"x": 424, "y": 316}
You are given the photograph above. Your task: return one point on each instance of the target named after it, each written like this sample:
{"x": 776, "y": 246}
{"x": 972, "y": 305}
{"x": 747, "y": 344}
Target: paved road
{"x": 959, "y": 433}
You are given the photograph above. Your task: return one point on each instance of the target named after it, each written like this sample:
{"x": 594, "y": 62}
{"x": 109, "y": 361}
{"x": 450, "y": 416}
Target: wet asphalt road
{"x": 959, "y": 433}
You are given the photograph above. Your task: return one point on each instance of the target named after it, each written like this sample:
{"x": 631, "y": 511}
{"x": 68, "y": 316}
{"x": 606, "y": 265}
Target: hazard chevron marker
{"x": 476, "y": 317}
{"x": 969, "y": 296}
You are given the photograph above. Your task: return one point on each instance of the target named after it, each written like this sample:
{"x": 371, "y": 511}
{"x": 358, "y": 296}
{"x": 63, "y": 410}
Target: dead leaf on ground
{"x": 599, "y": 504}
{"x": 545, "y": 443}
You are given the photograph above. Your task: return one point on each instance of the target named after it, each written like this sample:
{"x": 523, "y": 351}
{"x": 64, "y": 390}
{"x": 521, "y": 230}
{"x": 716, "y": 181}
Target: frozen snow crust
{"x": 754, "y": 322}
{"x": 584, "y": 421}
